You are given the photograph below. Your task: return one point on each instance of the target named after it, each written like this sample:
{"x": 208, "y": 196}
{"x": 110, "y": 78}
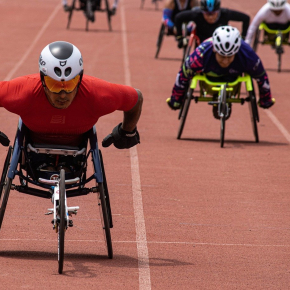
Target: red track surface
{"x": 215, "y": 218}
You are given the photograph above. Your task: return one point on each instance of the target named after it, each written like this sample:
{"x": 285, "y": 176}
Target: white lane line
{"x": 40, "y": 33}
{"x": 153, "y": 242}
{"x": 142, "y": 249}
{"x": 278, "y": 125}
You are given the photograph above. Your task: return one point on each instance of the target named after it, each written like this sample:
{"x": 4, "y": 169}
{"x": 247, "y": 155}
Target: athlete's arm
{"x": 183, "y": 17}
{"x": 239, "y": 16}
{"x": 194, "y": 3}
{"x": 125, "y": 134}
{"x": 258, "y": 19}
{"x": 192, "y": 65}
{"x": 132, "y": 116}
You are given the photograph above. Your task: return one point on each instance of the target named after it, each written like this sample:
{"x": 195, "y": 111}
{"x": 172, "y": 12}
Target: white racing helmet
{"x": 61, "y": 61}
{"x": 226, "y": 40}
{"x": 277, "y": 4}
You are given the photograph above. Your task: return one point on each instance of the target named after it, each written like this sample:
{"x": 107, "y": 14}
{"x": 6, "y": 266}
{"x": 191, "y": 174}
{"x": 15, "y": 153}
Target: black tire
{"x": 223, "y": 107}
{"x": 70, "y": 14}
{"x": 256, "y": 39}
{"x": 279, "y": 61}
{"x": 108, "y": 204}
{"x": 5, "y": 170}
{"x": 254, "y": 115}
{"x": 160, "y": 39}
{"x": 5, "y": 185}
{"x": 4, "y": 200}
{"x": 142, "y": 4}
{"x": 108, "y": 14}
{"x": 105, "y": 219}
{"x": 62, "y": 221}
{"x": 184, "y": 112}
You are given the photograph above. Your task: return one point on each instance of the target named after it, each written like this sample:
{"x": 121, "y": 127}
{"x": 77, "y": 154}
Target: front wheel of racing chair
{"x": 62, "y": 220}
{"x": 223, "y": 111}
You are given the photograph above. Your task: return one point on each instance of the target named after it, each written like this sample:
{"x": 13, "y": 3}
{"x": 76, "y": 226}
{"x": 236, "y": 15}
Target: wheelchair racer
{"x": 223, "y": 58}
{"x": 96, "y": 5}
{"x": 207, "y": 18}
{"x": 60, "y": 103}
{"x": 172, "y": 8}
{"x": 275, "y": 14}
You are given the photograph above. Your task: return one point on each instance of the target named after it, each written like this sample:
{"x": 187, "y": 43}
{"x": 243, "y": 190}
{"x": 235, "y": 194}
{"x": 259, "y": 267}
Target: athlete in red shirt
{"x": 61, "y": 104}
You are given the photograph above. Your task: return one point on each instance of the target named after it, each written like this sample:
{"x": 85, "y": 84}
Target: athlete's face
{"x": 62, "y": 100}
{"x": 211, "y": 17}
{"x": 224, "y": 61}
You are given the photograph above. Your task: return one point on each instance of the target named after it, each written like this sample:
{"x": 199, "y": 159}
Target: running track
{"x": 187, "y": 214}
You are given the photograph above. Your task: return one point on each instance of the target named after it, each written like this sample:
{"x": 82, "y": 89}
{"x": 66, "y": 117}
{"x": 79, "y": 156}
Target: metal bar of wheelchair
{"x": 48, "y": 194}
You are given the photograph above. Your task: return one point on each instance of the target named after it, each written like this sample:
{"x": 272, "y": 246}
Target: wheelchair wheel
{"x": 62, "y": 221}
{"x": 184, "y": 112}
{"x": 256, "y": 39}
{"x": 108, "y": 14}
{"x": 105, "y": 219}
{"x": 109, "y": 212}
{"x": 279, "y": 49}
{"x": 5, "y": 185}
{"x": 70, "y": 14}
{"x": 223, "y": 110}
{"x": 254, "y": 114}
{"x": 160, "y": 39}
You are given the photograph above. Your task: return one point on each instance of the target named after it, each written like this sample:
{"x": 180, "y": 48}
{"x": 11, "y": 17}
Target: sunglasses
{"x": 210, "y": 13}
{"x": 58, "y": 86}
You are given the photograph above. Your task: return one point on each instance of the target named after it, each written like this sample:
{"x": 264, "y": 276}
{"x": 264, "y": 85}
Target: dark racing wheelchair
{"x": 89, "y": 7}
{"x": 56, "y": 172}
{"x": 276, "y": 38}
{"x": 221, "y": 96}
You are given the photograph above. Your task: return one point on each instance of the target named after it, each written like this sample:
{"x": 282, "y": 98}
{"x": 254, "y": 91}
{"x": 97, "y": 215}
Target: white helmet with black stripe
{"x": 61, "y": 61}
{"x": 277, "y": 4}
{"x": 226, "y": 40}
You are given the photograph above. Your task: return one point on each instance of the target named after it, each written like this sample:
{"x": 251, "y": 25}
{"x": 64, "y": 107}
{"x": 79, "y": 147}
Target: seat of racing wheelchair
{"x": 48, "y": 159}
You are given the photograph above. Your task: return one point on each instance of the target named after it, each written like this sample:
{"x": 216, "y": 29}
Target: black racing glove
{"x": 182, "y": 41}
{"x": 121, "y": 139}
{"x": 4, "y": 139}
{"x": 266, "y": 103}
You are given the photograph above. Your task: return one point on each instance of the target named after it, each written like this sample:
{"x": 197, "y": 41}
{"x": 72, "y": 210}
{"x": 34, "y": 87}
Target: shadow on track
{"x": 237, "y": 142}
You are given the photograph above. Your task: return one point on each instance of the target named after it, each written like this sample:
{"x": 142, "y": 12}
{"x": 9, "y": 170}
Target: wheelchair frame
{"x": 156, "y": 4}
{"x": 57, "y": 186}
{"x": 193, "y": 42}
{"x": 164, "y": 32}
{"x": 223, "y": 101}
{"x": 107, "y": 10}
{"x": 278, "y": 42}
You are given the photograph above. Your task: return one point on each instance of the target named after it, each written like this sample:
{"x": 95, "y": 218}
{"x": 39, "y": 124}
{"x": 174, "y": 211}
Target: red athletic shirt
{"x": 25, "y": 97}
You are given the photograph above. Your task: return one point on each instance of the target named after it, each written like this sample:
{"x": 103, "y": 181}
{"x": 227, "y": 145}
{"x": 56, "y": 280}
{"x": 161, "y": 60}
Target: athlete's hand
{"x": 4, "y": 140}
{"x": 267, "y": 103}
{"x": 182, "y": 41}
{"x": 122, "y": 139}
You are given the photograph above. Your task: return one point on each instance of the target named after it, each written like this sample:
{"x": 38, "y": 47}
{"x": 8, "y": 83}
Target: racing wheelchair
{"x": 164, "y": 31}
{"x": 57, "y": 172}
{"x": 89, "y": 7}
{"x": 153, "y": 2}
{"x": 221, "y": 95}
{"x": 275, "y": 38}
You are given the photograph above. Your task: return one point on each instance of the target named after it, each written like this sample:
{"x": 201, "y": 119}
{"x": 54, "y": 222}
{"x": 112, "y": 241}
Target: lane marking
{"x": 281, "y": 128}
{"x": 142, "y": 249}
{"x": 40, "y": 33}
{"x": 153, "y": 242}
